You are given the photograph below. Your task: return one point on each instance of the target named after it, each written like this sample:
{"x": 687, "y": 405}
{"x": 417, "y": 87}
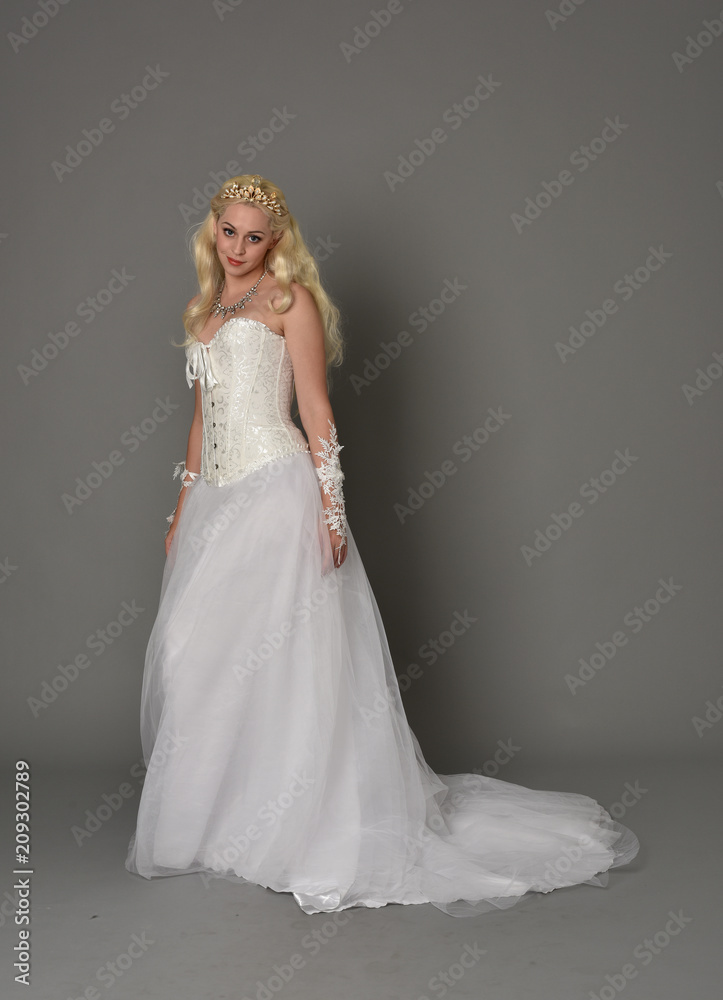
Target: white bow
{"x": 198, "y": 366}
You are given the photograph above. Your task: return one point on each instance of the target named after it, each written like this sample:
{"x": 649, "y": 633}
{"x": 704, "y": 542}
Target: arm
{"x": 190, "y": 470}
{"x": 304, "y": 333}
{"x": 192, "y": 464}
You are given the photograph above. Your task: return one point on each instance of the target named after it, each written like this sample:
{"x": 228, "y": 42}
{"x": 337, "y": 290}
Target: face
{"x": 243, "y": 238}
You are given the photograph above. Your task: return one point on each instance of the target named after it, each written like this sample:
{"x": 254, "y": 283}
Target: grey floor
{"x": 98, "y": 931}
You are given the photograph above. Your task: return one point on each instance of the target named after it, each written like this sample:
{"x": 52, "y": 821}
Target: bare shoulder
{"x": 194, "y": 299}
{"x": 300, "y": 290}
{"x": 302, "y": 321}
{"x": 303, "y": 313}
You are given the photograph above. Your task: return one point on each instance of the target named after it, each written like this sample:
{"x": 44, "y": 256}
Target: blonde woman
{"x": 277, "y": 748}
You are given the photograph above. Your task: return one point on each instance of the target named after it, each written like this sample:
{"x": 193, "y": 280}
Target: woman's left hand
{"x": 339, "y": 555}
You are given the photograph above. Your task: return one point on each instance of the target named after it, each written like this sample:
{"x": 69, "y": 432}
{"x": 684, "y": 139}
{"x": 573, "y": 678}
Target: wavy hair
{"x": 289, "y": 260}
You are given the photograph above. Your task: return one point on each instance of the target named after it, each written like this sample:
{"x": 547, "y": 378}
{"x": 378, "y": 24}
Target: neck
{"x": 236, "y": 286}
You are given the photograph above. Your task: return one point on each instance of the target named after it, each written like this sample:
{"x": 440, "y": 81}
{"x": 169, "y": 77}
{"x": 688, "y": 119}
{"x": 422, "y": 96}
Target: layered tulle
{"x": 277, "y": 747}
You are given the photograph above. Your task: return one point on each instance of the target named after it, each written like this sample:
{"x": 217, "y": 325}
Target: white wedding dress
{"x": 276, "y": 743}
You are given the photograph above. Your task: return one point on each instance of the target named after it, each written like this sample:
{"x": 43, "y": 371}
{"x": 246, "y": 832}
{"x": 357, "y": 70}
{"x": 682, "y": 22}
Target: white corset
{"x": 246, "y": 380}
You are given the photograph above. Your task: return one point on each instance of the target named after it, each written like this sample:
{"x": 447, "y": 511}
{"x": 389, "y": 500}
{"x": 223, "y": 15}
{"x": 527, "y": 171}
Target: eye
{"x": 256, "y": 238}
{"x": 227, "y": 231}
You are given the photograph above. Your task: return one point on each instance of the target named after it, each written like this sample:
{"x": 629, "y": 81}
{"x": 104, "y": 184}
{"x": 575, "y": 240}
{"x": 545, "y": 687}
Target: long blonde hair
{"x": 290, "y": 260}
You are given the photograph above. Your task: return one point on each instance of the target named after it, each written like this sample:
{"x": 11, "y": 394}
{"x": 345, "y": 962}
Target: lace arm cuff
{"x": 331, "y": 478}
{"x": 182, "y": 471}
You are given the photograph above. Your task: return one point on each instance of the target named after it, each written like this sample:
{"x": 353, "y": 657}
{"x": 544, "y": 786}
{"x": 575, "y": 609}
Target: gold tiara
{"x": 250, "y": 193}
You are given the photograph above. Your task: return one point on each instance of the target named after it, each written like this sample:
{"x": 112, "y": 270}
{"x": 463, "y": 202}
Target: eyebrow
{"x": 252, "y": 232}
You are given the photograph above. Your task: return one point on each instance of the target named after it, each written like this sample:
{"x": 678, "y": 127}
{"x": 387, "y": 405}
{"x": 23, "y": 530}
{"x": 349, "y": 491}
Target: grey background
{"x": 660, "y": 183}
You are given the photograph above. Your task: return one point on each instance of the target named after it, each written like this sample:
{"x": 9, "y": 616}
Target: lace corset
{"x": 246, "y": 380}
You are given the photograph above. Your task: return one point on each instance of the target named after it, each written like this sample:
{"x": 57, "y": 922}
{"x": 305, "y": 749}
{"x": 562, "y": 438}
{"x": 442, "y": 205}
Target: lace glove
{"x": 331, "y": 478}
{"x": 182, "y": 471}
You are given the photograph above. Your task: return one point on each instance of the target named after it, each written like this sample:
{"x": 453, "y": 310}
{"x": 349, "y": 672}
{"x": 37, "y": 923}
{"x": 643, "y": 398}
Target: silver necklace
{"x": 219, "y": 310}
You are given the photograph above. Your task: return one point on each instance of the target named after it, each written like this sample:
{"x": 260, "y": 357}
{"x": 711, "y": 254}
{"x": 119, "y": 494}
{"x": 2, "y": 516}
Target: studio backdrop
{"x": 517, "y": 208}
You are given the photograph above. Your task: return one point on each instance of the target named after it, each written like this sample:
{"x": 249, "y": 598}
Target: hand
{"x": 174, "y": 523}
{"x": 171, "y": 533}
{"x": 339, "y": 555}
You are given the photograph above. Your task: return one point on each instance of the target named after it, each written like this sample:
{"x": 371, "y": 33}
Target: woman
{"x": 277, "y": 747}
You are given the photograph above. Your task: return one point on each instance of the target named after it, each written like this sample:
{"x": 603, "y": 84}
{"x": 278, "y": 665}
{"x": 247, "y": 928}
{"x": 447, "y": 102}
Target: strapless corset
{"x": 246, "y": 379}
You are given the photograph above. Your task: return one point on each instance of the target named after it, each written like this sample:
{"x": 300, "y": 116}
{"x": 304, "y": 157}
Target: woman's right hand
{"x": 171, "y": 533}
{"x": 174, "y": 522}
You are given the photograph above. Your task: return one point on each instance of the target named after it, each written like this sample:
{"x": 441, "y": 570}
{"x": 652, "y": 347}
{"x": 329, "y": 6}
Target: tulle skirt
{"x": 276, "y": 743}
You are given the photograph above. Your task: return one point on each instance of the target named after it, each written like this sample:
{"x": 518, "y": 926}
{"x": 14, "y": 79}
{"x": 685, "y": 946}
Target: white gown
{"x": 276, "y": 743}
